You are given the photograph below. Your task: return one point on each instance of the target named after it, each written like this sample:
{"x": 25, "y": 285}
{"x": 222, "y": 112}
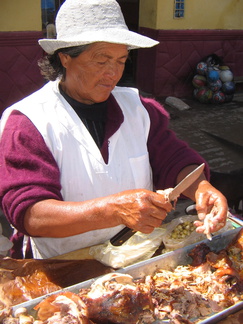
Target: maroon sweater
{"x": 29, "y": 173}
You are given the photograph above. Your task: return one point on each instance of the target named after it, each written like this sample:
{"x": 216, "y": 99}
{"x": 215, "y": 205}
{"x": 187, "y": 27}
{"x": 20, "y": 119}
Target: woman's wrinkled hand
{"x": 141, "y": 210}
{"x": 212, "y": 208}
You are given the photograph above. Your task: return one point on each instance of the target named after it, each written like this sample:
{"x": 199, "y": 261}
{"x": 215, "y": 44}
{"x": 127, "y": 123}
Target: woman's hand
{"x": 210, "y": 201}
{"x": 141, "y": 210}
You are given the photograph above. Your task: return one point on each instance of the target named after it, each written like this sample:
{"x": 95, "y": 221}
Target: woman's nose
{"x": 112, "y": 70}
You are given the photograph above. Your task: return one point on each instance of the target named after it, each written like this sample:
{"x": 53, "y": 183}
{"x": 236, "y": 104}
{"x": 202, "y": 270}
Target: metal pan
{"x": 166, "y": 261}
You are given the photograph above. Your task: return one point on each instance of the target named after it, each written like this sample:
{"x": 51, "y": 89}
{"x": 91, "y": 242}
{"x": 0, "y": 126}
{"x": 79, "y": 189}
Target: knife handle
{"x": 122, "y": 236}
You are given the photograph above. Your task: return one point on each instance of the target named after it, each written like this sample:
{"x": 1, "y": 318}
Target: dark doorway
{"x": 130, "y": 9}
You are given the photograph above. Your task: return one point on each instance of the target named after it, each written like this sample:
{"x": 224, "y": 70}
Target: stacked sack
{"x": 214, "y": 81}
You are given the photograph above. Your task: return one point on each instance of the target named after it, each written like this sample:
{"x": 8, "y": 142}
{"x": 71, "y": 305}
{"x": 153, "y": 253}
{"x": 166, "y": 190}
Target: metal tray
{"x": 167, "y": 261}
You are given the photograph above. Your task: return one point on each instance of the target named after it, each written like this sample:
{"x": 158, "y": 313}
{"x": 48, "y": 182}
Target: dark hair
{"x": 50, "y": 65}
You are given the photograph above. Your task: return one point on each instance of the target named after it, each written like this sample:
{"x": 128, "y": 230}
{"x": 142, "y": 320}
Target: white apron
{"x": 84, "y": 174}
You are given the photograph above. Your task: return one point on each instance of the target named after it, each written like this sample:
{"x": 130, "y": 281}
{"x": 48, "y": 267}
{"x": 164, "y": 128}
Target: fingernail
{"x": 201, "y": 216}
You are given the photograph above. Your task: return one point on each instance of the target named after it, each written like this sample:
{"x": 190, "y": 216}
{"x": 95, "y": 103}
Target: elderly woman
{"x": 81, "y": 158}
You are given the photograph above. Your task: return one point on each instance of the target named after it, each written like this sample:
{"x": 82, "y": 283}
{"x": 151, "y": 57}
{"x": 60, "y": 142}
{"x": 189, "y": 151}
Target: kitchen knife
{"x": 127, "y": 232}
{"x": 186, "y": 182}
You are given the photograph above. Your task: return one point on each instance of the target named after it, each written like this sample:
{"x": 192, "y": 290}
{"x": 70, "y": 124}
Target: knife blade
{"x": 186, "y": 182}
{"x": 127, "y": 232}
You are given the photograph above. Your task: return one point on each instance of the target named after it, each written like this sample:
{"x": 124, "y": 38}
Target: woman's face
{"x": 91, "y": 76}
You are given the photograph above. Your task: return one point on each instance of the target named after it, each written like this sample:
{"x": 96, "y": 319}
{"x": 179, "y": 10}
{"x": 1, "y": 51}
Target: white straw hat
{"x": 81, "y": 22}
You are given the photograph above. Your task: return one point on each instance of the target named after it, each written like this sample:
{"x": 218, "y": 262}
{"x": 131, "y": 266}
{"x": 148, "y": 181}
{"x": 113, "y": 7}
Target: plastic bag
{"x": 172, "y": 244}
{"x": 139, "y": 247}
{"x": 5, "y": 243}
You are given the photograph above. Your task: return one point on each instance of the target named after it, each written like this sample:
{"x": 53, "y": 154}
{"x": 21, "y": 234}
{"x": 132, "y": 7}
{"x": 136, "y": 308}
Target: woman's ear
{"x": 64, "y": 58}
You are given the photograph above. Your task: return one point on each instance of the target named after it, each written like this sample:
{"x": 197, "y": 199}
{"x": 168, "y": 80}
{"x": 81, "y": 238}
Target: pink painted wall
{"x": 168, "y": 69}
{"x": 165, "y": 70}
{"x": 19, "y": 73}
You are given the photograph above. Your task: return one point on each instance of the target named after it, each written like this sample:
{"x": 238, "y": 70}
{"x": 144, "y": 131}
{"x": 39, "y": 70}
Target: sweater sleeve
{"x": 168, "y": 154}
{"x": 28, "y": 171}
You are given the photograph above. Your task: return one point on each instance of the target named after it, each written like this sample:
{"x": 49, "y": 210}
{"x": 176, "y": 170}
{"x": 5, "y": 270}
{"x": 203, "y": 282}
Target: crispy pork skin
{"x": 65, "y": 307}
{"x": 116, "y": 298}
{"x": 23, "y": 280}
{"x": 198, "y": 254}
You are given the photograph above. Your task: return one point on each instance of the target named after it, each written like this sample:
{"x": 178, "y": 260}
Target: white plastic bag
{"x": 172, "y": 244}
{"x": 139, "y": 247}
{"x": 5, "y": 243}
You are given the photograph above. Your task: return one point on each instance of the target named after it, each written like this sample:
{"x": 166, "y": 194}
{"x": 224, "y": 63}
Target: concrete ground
{"x": 215, "y": 131}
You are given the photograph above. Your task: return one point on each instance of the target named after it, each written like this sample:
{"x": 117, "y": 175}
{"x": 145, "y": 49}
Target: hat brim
{"x": 118, "y": 36}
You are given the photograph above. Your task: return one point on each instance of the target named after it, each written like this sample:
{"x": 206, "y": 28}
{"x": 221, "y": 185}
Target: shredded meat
{"x": 186, "y": 294}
